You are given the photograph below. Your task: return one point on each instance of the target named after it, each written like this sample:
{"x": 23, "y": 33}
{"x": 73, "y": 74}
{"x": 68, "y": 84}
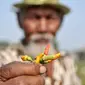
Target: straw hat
{"x": 54, "y": 3}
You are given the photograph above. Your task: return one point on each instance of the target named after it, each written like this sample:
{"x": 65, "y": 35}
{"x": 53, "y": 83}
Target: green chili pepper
{"x": 48, "y": 57}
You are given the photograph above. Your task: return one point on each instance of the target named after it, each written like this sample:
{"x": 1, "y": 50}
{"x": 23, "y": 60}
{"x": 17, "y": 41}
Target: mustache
{"x": 46, "y": 36}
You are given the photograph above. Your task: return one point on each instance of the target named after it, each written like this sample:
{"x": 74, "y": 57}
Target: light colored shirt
{"x": 64, "y": 69}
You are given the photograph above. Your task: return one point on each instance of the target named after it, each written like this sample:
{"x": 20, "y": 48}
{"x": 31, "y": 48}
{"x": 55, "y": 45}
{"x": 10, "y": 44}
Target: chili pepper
{"x": 51, "y": 57}
{"x": 43, "y": 58}
{"x": 57, "y": 56}
{"x": 48, "y": 61}
{"x": 47, "y": 49}
{"x": 26, "y": 58}
{"x": 39, "y": 57}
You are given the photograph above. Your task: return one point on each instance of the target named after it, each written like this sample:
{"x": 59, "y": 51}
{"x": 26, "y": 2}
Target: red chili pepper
{"x": 47, "y": 49}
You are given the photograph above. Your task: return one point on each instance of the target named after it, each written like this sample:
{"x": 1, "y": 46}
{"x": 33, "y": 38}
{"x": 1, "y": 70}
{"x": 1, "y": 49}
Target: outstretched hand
{"x": 19, "y": 73}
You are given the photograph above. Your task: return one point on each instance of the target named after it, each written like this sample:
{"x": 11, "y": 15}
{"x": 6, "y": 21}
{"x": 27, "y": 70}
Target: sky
{"x": 71, "y": 35}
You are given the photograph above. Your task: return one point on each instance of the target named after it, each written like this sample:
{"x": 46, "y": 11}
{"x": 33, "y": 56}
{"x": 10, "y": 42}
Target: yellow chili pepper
{"x": 39, "y": 57}
{"x": 57, "y": 56}
{"x": 48, "y": 61}
{"x": 26, "y": 58}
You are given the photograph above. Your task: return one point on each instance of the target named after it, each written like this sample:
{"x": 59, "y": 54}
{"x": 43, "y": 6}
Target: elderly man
{"x": 40, "y": 20}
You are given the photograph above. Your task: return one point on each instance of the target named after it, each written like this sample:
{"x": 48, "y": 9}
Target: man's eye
{"x": 37, "y": 17}
{"x": 49, "y": 17}
{"x": 52, "y": 17}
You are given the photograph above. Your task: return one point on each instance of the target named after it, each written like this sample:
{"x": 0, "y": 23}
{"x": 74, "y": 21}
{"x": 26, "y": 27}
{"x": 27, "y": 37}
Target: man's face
{"x": 40, "y": 21}
{"x": 40, "y": 25}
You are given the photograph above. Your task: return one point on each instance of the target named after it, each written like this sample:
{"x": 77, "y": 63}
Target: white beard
{"x": 33, "y": 49}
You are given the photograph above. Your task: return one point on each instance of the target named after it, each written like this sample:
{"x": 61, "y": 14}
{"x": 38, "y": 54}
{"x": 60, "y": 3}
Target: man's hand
{"x": 18, "y": 73}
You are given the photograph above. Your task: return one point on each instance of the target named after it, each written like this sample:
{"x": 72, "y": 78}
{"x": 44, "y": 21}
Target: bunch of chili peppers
{"x": 43, "y": 58}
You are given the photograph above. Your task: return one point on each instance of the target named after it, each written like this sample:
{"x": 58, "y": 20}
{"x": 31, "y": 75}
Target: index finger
{"x": 15, "y": 69}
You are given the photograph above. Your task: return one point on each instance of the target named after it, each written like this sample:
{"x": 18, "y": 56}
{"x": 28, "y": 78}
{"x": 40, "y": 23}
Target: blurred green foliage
{"x": 81, "y": 70}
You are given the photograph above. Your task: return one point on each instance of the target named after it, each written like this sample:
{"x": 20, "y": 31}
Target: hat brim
{"x": 64, "y": 9}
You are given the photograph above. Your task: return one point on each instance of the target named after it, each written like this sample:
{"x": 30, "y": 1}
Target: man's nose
{"x": 42, "y": 26}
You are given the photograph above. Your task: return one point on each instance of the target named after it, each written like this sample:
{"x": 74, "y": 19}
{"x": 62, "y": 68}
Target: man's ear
{"x": 19, "y": 20}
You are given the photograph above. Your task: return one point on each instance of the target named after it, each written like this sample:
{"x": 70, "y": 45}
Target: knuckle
{"x": 5, "y": 72}
{"x": 36, "y": 69}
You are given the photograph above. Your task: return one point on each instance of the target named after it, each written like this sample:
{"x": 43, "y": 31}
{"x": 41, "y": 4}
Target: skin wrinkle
{"x": 9, "y": 72}
{"x": 5, "y": 72}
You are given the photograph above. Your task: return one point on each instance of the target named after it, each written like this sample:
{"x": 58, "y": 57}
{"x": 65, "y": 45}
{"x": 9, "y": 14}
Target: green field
{"x": 81, "y": 71}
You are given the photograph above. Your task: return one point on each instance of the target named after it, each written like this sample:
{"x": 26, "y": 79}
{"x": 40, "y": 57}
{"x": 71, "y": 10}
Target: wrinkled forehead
{"x": 40, "y": 10}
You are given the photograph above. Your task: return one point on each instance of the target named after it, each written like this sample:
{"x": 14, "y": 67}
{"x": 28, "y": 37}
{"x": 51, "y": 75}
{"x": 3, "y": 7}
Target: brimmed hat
{"x": 55, "y": 3}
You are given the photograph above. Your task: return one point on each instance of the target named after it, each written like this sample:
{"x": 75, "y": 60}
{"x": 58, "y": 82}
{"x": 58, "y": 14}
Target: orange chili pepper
{"x": 47, "y": 49}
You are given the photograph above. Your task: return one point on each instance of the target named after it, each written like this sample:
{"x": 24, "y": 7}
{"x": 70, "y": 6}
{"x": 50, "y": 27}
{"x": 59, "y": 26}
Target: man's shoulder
{"x": 11, "y": 49}
{"x": 15, "y": 45}
{"x": 11, "y": 53}
{"x": 11, "y": 46}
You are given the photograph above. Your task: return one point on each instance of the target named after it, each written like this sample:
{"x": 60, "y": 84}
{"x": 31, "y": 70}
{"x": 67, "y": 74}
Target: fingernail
{"x": 42, "y": 69}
